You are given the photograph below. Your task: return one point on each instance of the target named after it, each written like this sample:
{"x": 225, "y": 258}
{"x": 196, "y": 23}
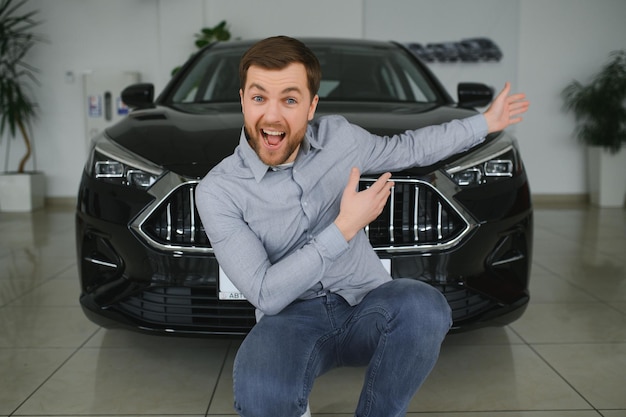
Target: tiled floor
{"x": 566, "y": 357}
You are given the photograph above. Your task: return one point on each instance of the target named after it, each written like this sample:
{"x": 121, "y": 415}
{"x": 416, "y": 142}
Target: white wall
{"x": 561, "y": 40}
{"x": 546, "y": 43}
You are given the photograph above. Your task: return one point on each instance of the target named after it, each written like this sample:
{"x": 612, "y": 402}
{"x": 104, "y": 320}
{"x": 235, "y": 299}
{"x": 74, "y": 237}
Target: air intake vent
{"x": 188, "y": 308}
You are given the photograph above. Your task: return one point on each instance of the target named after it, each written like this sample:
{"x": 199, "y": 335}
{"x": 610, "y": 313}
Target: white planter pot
{"x": 22, "y": 192}
{"x": 607, "y": 177}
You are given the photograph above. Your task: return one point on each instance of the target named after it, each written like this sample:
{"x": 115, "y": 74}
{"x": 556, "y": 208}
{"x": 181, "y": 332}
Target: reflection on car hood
{"x": 191, "y": 139}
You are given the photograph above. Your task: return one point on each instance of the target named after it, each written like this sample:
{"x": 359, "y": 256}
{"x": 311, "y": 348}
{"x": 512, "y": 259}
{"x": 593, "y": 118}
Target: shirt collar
{"x": 258, "y": 167}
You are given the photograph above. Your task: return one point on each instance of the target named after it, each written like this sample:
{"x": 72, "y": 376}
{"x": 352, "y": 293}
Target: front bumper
{"x": 128, "y": 283}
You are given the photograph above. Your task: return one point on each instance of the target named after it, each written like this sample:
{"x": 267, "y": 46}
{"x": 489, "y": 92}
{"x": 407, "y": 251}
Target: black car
{"x": 464, "y": 225}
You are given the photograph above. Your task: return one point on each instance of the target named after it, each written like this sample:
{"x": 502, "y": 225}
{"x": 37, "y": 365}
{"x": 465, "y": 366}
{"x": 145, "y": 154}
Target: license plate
{"x": 387, "y": 264}
{"x": 228, "y": 291}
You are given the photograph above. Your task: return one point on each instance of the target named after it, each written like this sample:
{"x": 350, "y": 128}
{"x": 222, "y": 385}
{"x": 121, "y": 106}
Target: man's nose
{"x": 272, "y": 111}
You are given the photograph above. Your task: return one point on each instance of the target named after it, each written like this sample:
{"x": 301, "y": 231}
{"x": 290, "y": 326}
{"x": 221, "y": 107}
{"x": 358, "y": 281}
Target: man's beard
{"x": 267, "y": 156}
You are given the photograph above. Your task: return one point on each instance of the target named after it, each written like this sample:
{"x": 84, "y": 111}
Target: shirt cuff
{"x": 478, "y": 124}
{"x": 331, "y": 242}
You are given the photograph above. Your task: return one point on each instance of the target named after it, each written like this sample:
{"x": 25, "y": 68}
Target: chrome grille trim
{"x": 415, "y": 210}
{"x": 416, "y": 199}
{"x": 447, "y": 225}
{"x": 169, "y": 221}
{"x": 439, "y": 221}
{"x": 392, "y": 208}
{"x": 192, "y": 203}
{"x": 163, "y": 191}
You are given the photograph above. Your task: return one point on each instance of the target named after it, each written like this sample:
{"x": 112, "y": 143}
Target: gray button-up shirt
{"x": 273, "y": 230}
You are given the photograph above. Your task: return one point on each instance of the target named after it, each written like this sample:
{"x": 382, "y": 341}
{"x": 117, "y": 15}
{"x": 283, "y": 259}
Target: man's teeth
{"x": 273, "y": 133}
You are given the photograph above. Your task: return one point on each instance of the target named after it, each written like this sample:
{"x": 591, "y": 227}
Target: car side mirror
{"x": 474, "y": 94}
{"x": 138, "y": 95}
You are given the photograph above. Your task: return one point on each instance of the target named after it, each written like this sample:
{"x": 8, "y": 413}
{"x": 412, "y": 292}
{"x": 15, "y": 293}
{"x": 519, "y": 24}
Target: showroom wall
{"x": 545, "y": 43}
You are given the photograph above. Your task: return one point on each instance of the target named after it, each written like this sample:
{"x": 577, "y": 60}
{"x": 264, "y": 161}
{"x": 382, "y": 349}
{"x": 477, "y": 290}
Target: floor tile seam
{"x": 518, "y": 334}
{"x": 546, "y": 270}
{"x": 13, "y": 300}
{"x": 599, "y": 250}
{"x": 484, "y": 345}
{"x": 153, "y": 348}
{"x": 496, "y": 412}
{"x": 555, "y": 231}
{"x": 615, "y": 308}
{"x": 549, "y": 269}
{"x": 36, "y": 348}
{"x": 219, "y": 377}
{"x": 111, "y": 415}
{"x": 585, "y": 343}
{"x": 40, "y": 306}
{"x": 530, "y": 343}
{"x": 54, "y": 372}
{"x": 596, "y": 300}
{"x": 39, "y": 284}
{"x": 536, "y": 353}
{"x": 560, "y": 375}
{"x": 565, "y": 302}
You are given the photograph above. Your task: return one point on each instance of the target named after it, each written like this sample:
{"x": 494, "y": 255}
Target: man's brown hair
{"x": 278, "y": 52}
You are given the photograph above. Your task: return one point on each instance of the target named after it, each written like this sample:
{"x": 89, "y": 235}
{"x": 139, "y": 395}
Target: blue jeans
{"x": 396, "y": 331}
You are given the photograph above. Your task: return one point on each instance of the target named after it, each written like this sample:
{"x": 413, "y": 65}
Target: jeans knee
{"x": 264, "y": 399}
{"x": 425, "y": 307}
{"x": 262, "y": 394}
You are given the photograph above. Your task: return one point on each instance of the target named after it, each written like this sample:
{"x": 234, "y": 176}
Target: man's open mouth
{"x": 272, "y": 138}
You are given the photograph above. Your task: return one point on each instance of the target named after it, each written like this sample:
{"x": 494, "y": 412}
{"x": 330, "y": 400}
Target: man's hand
{"x": 358, "y": 209}
{"x": 505, "y": 110}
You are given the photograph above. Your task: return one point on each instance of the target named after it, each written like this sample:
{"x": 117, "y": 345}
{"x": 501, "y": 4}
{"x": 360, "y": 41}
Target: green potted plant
{"x": 600, "y": 111}
{"x": 219, "y": 32}
{"x": 17, "y": 108}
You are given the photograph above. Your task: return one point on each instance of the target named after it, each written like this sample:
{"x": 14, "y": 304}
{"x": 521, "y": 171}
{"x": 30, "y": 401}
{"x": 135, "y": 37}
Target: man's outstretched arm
{"x": 505, "y": 110}
{"x": 360, "y": 208}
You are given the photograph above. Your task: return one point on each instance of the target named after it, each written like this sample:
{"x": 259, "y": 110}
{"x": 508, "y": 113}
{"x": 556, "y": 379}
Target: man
{"x": 286, "y": 222}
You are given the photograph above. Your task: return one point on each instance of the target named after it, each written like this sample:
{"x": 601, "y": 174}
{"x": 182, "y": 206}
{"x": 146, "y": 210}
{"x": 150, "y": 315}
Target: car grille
{"x": 187, "y": 308}
{"x": 176, "y": 222}
{"x": 416, "y": 216}
{"x": 198, "y": 310}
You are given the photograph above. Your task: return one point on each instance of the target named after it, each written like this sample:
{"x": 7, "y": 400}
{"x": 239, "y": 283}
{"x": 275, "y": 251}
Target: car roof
{"x": 318, "y": 41}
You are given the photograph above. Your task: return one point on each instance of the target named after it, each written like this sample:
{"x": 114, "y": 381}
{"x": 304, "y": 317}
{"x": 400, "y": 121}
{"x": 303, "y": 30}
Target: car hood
{"x": 190, "y": 139}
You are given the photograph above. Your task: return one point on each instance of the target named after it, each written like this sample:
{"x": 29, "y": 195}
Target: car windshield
{"x": 349, "y": 73}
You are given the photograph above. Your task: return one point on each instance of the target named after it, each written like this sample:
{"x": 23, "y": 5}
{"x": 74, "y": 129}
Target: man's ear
{"x": 313, "y": 107}
{"x": 241, "y": 99}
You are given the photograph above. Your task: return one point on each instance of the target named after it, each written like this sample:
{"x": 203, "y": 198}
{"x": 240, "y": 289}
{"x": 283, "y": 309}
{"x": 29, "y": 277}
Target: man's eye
{"x": 291, "y": 101}
{"x": 258, "y": 99}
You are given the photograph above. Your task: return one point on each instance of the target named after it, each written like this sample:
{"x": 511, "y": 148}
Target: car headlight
{"x": 486, "y": 166}
{"x": 114, "y": 164}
